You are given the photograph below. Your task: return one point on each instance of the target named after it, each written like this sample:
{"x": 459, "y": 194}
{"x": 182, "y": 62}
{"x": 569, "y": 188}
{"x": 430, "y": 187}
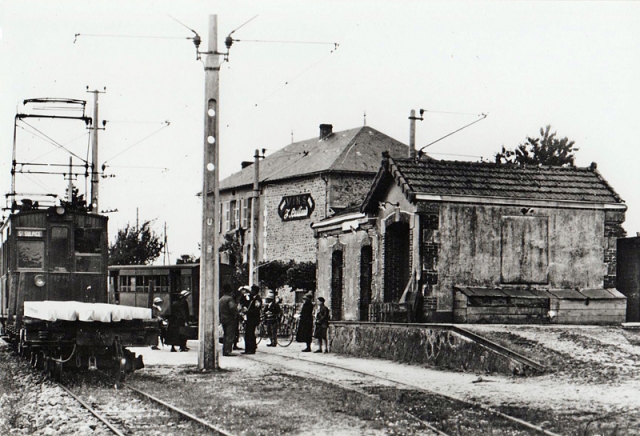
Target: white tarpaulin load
{"x": 87, "y": 312}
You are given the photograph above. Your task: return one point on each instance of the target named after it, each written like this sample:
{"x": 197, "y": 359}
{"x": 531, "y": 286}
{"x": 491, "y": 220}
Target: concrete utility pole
{"x": 208, "y": 355}
{"x": 95, "y": 172}
{"x": 255, "y": 223}
{"x": 412, "y": 131}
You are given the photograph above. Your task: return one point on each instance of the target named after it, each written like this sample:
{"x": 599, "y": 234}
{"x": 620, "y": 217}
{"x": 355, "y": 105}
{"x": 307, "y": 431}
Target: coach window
{"x": 143, "y": 283}
{"x": 126, "y": 284}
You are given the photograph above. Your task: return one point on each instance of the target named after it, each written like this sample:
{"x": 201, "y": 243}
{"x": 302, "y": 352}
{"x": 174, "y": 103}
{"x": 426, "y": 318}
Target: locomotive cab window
{"x": 88, "y": 241}
{"x": 59, "y": 256}
{"x": 88, "y": 249}
{"x": 30, "y": 248}
{"x": 30, "y": 254}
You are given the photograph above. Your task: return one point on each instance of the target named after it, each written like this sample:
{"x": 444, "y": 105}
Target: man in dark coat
{"x": 252, "y": 313}
{"x": 178, "y": 323}
{"x": 305, "y": 326}
{"x": 228, "y": 309}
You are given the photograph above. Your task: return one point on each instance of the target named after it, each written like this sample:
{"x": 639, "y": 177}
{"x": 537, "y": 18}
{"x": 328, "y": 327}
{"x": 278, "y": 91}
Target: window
{"x": 126, "y": 284}
{"x": 337, "y": 265}
{"x": 524, "y": 246}
{"x": 227, "y": 216}
{"x": 143, "y": 284}
{"x": 31, "y": 254}
{"x": 161, "y": 284}
{"x": 236, "y": 214}
{"x": 246, "y": 213}
{"x": 59, "y": 256}
{"x": 88, "y": 241}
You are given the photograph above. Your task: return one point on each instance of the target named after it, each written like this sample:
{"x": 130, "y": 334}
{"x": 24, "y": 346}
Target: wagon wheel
{"x": 22, "y": 347}
{"x": 56, "y": 371}
{"x": 39, "y": 360}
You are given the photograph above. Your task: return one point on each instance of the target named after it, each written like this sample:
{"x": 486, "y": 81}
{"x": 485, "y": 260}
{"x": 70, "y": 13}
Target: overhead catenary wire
{"x": 288, "y": 82}
{"x": 53, "y": 141}
{"x": 166, "y": 124}
{"x": 101, "y": 35}
{"x": 483, "y": 116}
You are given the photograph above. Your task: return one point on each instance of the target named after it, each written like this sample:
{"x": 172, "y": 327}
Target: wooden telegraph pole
{"x": 208, "y": 355}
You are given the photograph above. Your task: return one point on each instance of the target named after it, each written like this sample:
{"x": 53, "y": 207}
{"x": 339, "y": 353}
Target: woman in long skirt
{"x": 305, "y": 327}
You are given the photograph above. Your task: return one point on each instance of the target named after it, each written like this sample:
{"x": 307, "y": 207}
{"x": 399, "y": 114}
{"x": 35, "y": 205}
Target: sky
{"x": 572, "y": 65}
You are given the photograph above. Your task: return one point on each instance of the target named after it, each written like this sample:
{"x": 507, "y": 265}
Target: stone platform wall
{"x": 432, "y": 345}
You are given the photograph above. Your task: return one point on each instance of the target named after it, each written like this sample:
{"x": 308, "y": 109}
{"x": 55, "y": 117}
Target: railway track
{"x": 130, "y": 411}
{"x": 474, "y": 416}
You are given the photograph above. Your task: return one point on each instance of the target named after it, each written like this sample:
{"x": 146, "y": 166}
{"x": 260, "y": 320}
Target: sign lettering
{"x": 30, "y": 233}
{"x": 296, "y": 207}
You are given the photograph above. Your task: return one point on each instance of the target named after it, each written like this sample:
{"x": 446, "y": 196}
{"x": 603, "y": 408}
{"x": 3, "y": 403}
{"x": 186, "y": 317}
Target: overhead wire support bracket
{"x": 482, "y": 117}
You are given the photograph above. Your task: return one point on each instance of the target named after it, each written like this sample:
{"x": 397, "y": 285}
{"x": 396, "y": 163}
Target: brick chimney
{"x": 325, "y": 131}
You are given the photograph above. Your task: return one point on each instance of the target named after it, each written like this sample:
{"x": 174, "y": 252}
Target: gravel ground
{"x": 594, "y": 380}
{"x": 31, "y": 405}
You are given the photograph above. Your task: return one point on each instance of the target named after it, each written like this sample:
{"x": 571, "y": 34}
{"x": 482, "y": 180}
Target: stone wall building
{"x": 442, "y": 241}
{"x": 302, "y": 183}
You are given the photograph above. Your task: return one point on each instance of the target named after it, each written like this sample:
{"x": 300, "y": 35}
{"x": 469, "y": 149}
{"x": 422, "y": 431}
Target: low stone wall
{"x": 433, "y": 345}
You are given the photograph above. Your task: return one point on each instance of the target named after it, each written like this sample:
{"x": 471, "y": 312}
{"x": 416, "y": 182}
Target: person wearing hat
{"x": 322, "y": 325}
{"x": 156, "y": 313}
{"x": 272, "y": 313}
{"x": 305, "y": 326}
{"x": 178, "y": 323}
{"x": 252, "y": 314}
{"x": 228, "y": 310}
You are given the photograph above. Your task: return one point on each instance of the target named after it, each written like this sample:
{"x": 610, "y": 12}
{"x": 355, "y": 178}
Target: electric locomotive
{"x": 53, "y": 292}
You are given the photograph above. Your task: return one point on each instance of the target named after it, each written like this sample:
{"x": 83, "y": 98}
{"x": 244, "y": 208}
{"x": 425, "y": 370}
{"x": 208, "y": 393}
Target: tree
{"x": 135, "y": 246}
{"x": 187, "y": 258}
{"x": 547, "y": 150}
{"x": 273, "y": 275}
{"x": 302, "y": 276}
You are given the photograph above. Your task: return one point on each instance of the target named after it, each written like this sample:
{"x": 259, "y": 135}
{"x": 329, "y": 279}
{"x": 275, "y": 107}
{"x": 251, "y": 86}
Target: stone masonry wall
{"x": 290, "y": 239}
{"x": 349, "y": 189}
{"x": 429, "y": 344}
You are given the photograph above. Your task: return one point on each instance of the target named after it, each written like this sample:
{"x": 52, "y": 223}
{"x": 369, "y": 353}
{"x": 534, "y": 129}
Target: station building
{"x": 302, "y": 183}
{"x": 448, "y": 241}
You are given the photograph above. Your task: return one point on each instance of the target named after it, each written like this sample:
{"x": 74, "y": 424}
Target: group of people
{"x": 246, "y": 303}
{"x": 308, "y": 329}
{"x": 236, "y": 305}
{"x": 173, "y": 322}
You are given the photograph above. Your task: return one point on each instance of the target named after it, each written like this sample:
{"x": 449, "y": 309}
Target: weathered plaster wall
{"x": 351, "y": 243}
{"x": 470, "y": 247}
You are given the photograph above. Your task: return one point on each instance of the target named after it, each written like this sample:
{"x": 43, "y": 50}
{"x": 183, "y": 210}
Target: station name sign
{"x": 296, "y": 207}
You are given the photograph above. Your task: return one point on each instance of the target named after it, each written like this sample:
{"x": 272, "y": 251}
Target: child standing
{"x": 322, "y": 324}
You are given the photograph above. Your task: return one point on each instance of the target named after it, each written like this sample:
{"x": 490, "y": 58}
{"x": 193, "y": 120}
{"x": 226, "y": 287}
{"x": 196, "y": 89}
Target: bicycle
{"x": 261, "y": 332}
{"x": 287, "y": 331}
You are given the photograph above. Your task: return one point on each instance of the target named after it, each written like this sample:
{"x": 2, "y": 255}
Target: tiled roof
{"x": 354, "y": 150}
{"x": 480, "y": 179}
